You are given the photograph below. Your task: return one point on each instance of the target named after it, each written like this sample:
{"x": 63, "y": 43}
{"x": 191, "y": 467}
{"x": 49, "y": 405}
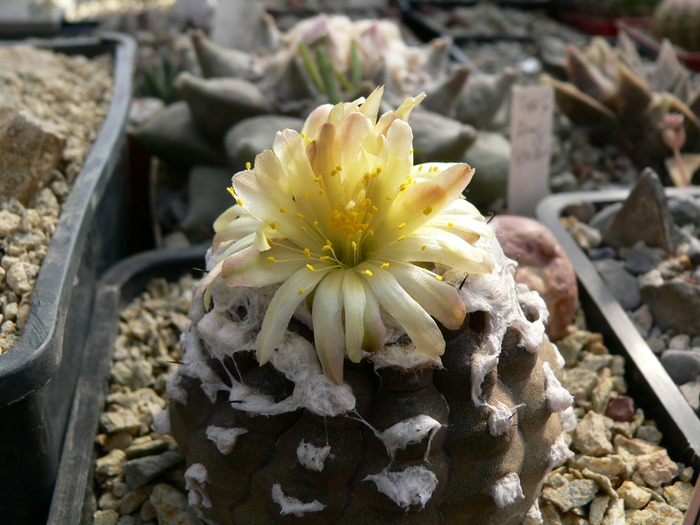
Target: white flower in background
{"x": 340, "y": 217}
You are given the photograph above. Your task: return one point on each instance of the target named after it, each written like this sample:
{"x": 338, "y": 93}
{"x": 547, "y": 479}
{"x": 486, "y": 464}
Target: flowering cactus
{"x": 339, "y": 214}
{"x": 339, "y": 247}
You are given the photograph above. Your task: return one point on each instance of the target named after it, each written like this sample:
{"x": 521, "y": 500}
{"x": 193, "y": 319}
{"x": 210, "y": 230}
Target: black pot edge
{"x": 119, "y": 285}
{"x": 660, "y": 397}
{"x": 36, "y": 356}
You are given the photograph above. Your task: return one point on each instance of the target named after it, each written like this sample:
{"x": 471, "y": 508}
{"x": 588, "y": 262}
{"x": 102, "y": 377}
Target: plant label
{"x": 531, "y": 144}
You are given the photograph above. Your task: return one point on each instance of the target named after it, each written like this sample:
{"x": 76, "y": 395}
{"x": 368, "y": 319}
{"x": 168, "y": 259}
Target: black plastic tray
{"x": 73, "y": 500}
{"x": 651, "y": 386}
{"x": 37, "y": 376}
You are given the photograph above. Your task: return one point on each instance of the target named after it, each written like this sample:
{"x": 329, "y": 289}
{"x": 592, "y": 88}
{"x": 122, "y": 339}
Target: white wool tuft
{"x": 533, "y": 515}
{"x": 403, "y": 356}
{"x": 569, "y": 420}
{"x": 559, "y": 453}
{"x": 224, "y": 438}
{"x": 312, "y": 457}
{"x": 319, "y": 395}
{"x": 558, "y": 397}
{"x": 196, "y": 481}
{"x": 408, "y": 432}
{"x": 498, "y": 295}
{"x": 500, "y": 419}
{"x": 411, "y": 487}
{"x": 175, "y": 390}
{"x": 289, "y": 505}
{"x": 507, "y": 490}
{"x": 195, "y": 366}
{"x": 161, "y": 422}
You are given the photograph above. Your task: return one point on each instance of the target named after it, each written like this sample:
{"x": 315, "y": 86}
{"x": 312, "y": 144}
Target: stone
{"x": 577, "y": 493}
{"x": 207, "y": 198}
{"x": 171, "y": 506}
{"x": 675, "y": 305}
{"x": 620, "y": 408}
{"x": 148, "y": 448}
{"x": 633, "y": 447}
{"x": 251, "y": 136}
{"x": 490, "y": 155}
{"x": 105, "y": 517}
{"x": 172, "y": 136}
{"x": 642, "y": 259}
{"x": 679, "y": 495}
{"x": 138, "y": 472}
{"x": 597, "y": 509}
{"x": 580, "y": 383}
{"x": 46, "y": 203}
{"x": 644, "y": 216}
{"x": 635, "y": 497}
{"x": 691, "y": 392}
{"x": 219, "y": 103}
{"x": 587, "y": 237}
{"x": 657, "y": 468}
{"x": 132, "y": 500}
{"x": 682, "y": 366}
{"x": 649, "y": 433}
{"x": 111, "y": 464}
{"x": 20, "y": 277}
{"x": 621, "y": 283}
{"x": 592, "y": 435}
{"x": 612, "y": 465}
{"x": 28, "y": 155}
{"x": 615, "y": 514}
{"x": 438, "y": 138}
{"x": 543, "y": 266}
{"x": 119, "y": 419}
{"x": 9, "y": 223}
{"x": 679, "y": 342}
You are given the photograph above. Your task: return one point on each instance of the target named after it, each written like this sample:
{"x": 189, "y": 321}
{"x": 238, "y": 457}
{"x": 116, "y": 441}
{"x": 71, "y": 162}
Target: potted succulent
{"x": 359, "y": 349}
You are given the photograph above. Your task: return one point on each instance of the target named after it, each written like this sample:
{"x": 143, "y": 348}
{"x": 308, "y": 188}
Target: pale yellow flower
{"x": 339, "y": 215}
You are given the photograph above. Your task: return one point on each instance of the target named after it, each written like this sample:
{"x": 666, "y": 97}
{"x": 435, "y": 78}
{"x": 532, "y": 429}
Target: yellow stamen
{"x": 423, "y": 248}
{"x": 282, "y": 209}
{"x": 368, "y": 273}
{"x": 273, "y": 225}
{"x": 298, "y": 215}
{"x": 401, "y": 226}
{"x": 324, "y": 258}
{"x": 271, "y": 259}
{"x": 385, "y": 266}
{"x": 230, "y": 190}
{"x": 307, "y": 253}
{"x": 450, "y": 224}
{"x": 428, "y": 210}
{"x": 239, "y": 202}
{"x": 302, "y": 228}
{"x": 438, "y": 277}
{"x": 400, "y": 237}
{"x": 310, "y": 268}
{"x": 301, "y": 291}
{"x": 303, "y": 135}
{"x": 247, "y": 165}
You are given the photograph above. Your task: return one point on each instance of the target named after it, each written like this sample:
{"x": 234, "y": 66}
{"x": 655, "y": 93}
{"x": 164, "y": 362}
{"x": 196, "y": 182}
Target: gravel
{"x": 618, "y": 472}
{"x": 66, "y": 97}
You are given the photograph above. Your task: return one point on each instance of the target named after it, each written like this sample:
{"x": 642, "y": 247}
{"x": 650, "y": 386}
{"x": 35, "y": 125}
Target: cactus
{"x": 678, "y": 20}
{"x": 610, "y": 93}
{"x": 359, "y": 351}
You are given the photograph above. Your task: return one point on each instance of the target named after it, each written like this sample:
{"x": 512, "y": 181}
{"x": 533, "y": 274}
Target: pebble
{"x": 111, "y": 464}
{"x": 139, "y": 471}
{"x": 682, "y": 366}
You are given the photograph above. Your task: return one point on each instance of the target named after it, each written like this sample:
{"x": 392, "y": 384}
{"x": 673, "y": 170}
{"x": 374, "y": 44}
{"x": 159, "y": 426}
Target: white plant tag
{"x": 531, "y": 144}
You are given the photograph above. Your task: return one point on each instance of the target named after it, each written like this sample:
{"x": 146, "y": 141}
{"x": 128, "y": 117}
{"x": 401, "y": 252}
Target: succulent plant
{"x": 359, "y": 351}
{"x": 678, "y": 20}
{"x": 610, "y": 92}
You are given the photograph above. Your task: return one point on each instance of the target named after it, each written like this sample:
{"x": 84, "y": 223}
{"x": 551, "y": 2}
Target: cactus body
{"x": 397, "y": 443}
{"x": 678, "y": 20}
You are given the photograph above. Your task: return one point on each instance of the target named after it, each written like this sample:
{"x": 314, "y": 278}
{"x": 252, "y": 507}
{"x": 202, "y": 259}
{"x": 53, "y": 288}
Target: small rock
{"x": 112, "y": 464}
{"x": 679, "y": 342}
{"x": 577, "y": 493}
{"x": 20, "y": 277}
{"x": 679, "y": 495}
{"x": 134, "y": 499}
{"x": 621, "y": 284}
{"x": 649, "y": 433}
{"x": 149, "y": 513}
{"x": 105, "y": 517}
{"x": 119, "y": 420}
{"x": 642, "y": 259}
{"x": 620, "y": 408}
{"x": 635, "y": 497}
{"x": 592, "y": 435}
{"x": 9, "y": 223}
{"x": 682, "y": 366}
{"x": 691, "y": 391}
{"x": 612, "y": 465}
{"x": 597, "y": 509}
{"x": 657, "y": 468}
{"x": 675, "y": 305}
{"x": 633, "y": 447}
{"x": 138, "y": 472}
{"x": 149, "y": 448}
{"x": 171, "y": 506}
{"x": 615, "y": 514}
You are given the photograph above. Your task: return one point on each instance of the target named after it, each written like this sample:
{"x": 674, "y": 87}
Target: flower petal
{"x": 327, "y": 321}
{"x": 419, "y": 326}
{"x": 441, "y": 300}
{"x": 249, "y": 267}
{"x": 354, "y": 301}
{"x": 285, "y": 301}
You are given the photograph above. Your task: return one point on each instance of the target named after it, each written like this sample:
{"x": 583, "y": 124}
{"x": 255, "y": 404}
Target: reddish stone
{"x": 620, "y": 408}
{"x": 542, "y": 266}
